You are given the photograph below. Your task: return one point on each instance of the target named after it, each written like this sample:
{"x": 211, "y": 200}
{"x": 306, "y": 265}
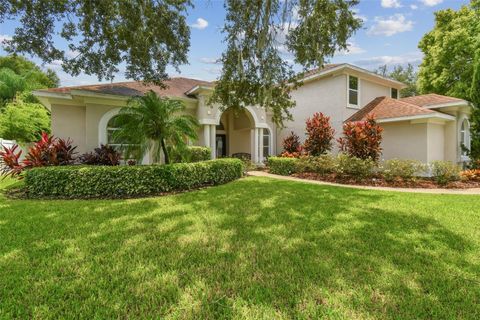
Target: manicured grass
{"x": 254, "y": 248}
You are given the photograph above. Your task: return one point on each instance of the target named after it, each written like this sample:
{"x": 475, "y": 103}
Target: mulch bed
{"x": 378, "y": 181}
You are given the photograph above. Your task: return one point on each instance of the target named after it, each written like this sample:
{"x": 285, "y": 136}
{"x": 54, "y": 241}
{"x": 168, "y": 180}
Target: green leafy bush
{"x": 127, "y": 181}
{"x": 354, "y": 167}
{"x": 282, "y": 166}
{"x": 196, "y": 154}
{"x": 323, "y": 164}
{"x": 403, "y": 169}
{"x": 445, "y": 171}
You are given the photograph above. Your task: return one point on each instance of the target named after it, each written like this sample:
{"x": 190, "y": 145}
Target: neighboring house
{"x": 428, "y": 127}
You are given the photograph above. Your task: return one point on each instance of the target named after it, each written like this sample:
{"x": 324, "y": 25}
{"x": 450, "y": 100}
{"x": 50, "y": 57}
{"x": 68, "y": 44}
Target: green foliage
{"x": 146, "y": 35}
{"x": 282, "y": 166}
{"x": 323, "y": 164}
{"x": 474, "y": 152}
{"x": 354, "y": 167}
{"x": 23, "y": 122}
{"x": 254, "y": 72}
{"x": 449, "y": 51}
{"x": 192, "y": 154}
{"x": 406, "y": 75}
{"x": 445, "y": 171}
{"x": 402, "y": 169}
{"x": 153, "y": 123}
{"x": 128, "y": 181}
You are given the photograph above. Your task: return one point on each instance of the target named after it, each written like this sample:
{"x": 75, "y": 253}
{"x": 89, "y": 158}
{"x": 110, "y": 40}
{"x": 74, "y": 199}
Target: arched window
{"x": 465, "y": 136}
{"x": 266, "y": 143}
{"x": 112, "y": 126}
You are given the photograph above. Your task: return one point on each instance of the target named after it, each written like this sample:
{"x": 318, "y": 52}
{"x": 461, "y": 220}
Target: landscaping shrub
{"x": 402, "y": 169}
{"x": 361, "y": 139}
{"x": 196, "y": 154}
{"x": 282, "y": 166}
{"x": 445, "y": 172}
{"x": 354, "y": 167}
{"x": 127, "y": 181}
{"x": 102, "y": 156}
{"x": 48, "y": 151}
{"x": 470, "y": 175}
{"x": 292, "y": 148}
{"x": 323, "y": 164}
{"x": 319, "y": 135}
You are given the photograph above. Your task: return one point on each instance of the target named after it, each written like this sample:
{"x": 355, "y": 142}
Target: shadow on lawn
{"x": 255, "y": 248}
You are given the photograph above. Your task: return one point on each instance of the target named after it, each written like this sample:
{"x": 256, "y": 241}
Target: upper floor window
{"x": 394, "y": 93}
{"x": 353, "y": 91}
{"x": 465, "y": 136}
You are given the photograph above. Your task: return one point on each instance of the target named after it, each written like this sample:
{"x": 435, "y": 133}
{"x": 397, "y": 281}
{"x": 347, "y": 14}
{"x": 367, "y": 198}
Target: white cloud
{"x": 357, "y": 15}
{"x": 4, "y": 37}
{"x": 210, "y": 60}
{"x": 414, "y": 58}
{"x": 413, "y": 7}
{"x": 391, "y": 3}
{"x": 200, "y": 24}
{"x": 390, "y": 26}
{"x": 213, "y": 70}
{"x": 352, "y": 48}
{"x": 431, "y": 3}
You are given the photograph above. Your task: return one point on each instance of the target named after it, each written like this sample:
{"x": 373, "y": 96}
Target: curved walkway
{"x": 414, "y": 190}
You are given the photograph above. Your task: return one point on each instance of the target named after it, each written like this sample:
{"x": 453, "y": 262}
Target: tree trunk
{"x": 165, "y": 152}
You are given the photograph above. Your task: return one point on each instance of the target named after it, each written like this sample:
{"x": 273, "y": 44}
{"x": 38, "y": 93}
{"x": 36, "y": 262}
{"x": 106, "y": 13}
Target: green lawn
{"x": 254, "y": 248}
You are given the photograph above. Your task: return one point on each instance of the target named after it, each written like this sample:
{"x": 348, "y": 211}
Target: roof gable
{"x": 175, "y": 87}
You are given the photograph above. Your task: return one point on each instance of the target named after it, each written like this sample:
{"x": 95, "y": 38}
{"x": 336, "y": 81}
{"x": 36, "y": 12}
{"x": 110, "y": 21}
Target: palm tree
{"x": 150, "y": 122}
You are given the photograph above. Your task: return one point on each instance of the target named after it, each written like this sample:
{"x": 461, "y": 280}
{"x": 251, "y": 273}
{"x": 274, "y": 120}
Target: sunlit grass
{"x": 254, "y": 248}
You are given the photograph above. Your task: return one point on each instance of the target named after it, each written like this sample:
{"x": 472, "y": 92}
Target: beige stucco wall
{"x": 436, "y": 141}
{"x": 69, "y": 122}
{"x": 326, "y": 95}
{"x": 404, "y": 140}
{"x": 329, "y": 96}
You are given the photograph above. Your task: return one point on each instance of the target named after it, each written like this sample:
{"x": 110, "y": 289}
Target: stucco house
{"x": 427, "y": 127}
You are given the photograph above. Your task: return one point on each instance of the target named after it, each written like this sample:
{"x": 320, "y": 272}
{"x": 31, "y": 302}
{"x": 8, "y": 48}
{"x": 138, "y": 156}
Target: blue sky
{"x": 390, "y": 35}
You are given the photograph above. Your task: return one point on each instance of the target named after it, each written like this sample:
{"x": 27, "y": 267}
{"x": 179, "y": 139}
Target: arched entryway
{"x": 239, "y": 133}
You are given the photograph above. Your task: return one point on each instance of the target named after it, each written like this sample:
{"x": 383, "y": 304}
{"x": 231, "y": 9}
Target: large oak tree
{"x": 451, "y": 64}
{"x": 148, "y": 35}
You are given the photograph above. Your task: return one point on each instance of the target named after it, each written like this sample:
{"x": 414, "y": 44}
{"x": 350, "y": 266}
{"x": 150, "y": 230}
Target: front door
{"x": 221, "y": 145}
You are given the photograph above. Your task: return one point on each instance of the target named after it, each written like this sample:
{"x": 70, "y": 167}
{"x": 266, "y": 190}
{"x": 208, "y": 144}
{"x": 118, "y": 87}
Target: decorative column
{"x": 260, "y": 145}
{"x": 255, "y": 155}
{"x": 213, "y": 141}
{"x": 206, "y": 135}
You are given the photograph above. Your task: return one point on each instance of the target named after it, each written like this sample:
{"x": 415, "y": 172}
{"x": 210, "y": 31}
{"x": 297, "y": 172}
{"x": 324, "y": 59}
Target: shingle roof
{"x": 430, "y": 99}
{"x": 384, "y": 108}
{"x": 176, "y": 87}
{"x": 317, "y": 70}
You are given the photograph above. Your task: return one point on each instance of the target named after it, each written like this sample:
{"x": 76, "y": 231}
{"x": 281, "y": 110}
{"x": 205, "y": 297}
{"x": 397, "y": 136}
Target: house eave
{"x": 344, "y": 67}
{"x": 436, "y": 115}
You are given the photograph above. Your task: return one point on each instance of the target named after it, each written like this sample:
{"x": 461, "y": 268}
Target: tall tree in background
{"x": 257, "y": 32}
{"x": 449, "y": 51}
{"x": 148, "y": 35}
{"x": 22, "y": 118}
{"x": 451, "y": 64}
{"x": 405, "y": 74}
{"x": 20, "y": 76}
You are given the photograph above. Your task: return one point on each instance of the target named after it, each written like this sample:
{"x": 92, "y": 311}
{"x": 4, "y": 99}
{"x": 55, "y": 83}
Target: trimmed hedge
{"x": 196, "y": 154}
{"x": 128, "y": 181}
{"x": 283, "y": 166}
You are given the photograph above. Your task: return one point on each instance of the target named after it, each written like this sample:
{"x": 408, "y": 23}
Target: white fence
{"x": 7, "y": 143}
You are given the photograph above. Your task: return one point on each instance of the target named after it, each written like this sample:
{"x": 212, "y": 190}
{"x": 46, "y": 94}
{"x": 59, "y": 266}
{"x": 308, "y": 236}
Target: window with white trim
{"x": 111, "y": 128}
{"x": 394, "y": 93}
{"x": 465, "y": 136}
{"x": 353, "y": 88}
{"x": 266, "y": 143}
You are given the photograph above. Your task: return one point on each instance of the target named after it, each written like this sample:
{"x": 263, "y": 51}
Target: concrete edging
{"x": 472, "y": 191}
